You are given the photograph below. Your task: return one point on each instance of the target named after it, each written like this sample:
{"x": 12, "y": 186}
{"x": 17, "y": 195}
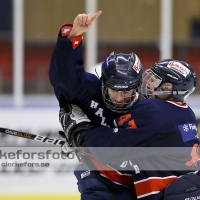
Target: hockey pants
{"x": 92, "y": 187}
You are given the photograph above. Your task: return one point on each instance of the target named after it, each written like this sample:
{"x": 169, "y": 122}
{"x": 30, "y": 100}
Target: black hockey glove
{"x": 74, "y": 123}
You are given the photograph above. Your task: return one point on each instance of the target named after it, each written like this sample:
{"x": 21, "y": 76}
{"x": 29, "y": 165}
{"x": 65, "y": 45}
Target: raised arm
{"x": 82, "y": 23}
{"x": 67, "y": 74}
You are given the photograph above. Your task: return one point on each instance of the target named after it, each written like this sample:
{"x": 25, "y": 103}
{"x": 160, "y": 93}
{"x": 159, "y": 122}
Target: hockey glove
{"x": 74, "y": 123}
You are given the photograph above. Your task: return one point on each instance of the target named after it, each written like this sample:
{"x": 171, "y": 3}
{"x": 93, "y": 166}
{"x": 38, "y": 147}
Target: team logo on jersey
{"x": 188, "y": 131}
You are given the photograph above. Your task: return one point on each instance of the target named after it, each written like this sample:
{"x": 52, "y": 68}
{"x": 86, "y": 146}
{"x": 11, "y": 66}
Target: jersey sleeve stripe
{"x": 152, "y": 185}
{"x": 113, "y": 175}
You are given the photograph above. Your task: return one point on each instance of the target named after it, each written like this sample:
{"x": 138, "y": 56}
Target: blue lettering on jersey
{"x": 188, "y": 131}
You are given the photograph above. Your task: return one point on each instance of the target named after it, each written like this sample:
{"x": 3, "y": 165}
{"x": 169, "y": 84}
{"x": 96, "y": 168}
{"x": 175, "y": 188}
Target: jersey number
{"x": 127, "y": 118}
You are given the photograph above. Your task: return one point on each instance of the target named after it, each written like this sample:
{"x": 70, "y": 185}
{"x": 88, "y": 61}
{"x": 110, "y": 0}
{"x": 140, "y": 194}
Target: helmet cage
{"x": 121, "y": 107}
{"x": 150, "y": 81}
{"x": 153, "y": 85}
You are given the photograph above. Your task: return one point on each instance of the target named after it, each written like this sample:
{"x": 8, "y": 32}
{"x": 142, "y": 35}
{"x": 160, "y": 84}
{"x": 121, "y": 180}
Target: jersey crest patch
{"x": 188, "y": 131}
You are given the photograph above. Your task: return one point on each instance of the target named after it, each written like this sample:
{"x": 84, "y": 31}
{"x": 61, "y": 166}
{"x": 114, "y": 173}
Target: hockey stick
{"x": 64, "y": 145}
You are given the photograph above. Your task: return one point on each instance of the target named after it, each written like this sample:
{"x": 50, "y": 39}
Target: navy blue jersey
{"x": 147, "y": 118}
{"x": 73, "y": 85}
{"x": 150, "y": 123}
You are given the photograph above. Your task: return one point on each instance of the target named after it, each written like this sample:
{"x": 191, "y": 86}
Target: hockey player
{"x": 73, "y": 85}
{"x": 163, "y": 120}
{"x": 121, "y": 77}
{"x": 141, "y": 123}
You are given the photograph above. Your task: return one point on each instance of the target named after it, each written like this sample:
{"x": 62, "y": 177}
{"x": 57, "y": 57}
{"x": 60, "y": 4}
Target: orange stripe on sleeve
{"x": 112, "y": 175}
{"x": 153, "y": 185}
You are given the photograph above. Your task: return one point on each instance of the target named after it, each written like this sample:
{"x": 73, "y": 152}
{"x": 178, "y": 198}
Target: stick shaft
{"x": 32, "y": 136}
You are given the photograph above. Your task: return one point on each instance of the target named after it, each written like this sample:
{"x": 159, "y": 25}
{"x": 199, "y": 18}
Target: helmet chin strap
{"x": 168, "y": 97}
{"x": 164, "y": 99}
